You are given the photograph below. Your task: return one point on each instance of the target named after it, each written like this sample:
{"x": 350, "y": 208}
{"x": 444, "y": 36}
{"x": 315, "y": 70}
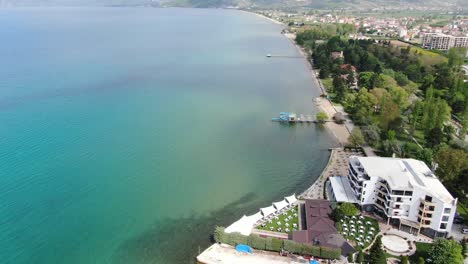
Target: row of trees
{"x": 275, "y": 244}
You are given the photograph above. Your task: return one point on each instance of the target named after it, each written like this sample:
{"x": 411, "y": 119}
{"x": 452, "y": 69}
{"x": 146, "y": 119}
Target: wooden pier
{"x": 300, "y": 119}
{"x": 284, "y": 56}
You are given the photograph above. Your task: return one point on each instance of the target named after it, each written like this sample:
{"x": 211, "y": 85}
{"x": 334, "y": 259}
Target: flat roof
{"x": 342, "y": 190}
{"x": 405, "y": 174}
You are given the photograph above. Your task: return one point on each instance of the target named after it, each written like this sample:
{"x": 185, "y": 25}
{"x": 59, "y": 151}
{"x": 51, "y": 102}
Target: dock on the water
{"x": 283, "y": 56}
{"x": 288, "y": 117}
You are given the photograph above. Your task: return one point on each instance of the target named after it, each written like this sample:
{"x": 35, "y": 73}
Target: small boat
{"x": 268, "y": 55}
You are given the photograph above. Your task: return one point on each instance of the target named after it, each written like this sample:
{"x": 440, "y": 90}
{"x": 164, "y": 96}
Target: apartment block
{"x": 442, "y": 41}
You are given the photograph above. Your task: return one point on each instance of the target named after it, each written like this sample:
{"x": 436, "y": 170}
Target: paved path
{"x": 337, "y": 166}
{"x": 225, "y": 254}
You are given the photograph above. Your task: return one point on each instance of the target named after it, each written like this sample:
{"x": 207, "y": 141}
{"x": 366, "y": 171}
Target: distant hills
{"x": 261, "y": 4}
{"x": 77, "y": 2}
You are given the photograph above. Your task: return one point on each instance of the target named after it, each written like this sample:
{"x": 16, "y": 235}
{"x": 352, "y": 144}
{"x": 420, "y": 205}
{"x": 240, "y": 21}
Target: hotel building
{"x": 405, "y": 192}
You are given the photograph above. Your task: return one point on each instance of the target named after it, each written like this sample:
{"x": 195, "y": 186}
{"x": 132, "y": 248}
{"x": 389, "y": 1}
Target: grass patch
{"x": 387, "y": 255}
{"x": 280, "y": 223}
{"x": 422, "y": 250}
{"x": 428, "y": 57}
{"x": 367, "y": 233}
{"x": 328, "y": 84}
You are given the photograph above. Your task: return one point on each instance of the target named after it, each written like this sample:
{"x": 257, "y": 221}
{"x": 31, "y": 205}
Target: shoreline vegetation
{"x": 340, "y": 132}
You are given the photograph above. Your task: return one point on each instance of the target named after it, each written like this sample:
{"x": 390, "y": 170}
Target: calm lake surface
{"x": 128, "y": 134}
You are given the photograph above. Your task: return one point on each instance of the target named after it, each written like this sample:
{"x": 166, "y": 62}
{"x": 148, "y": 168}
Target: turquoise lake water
{"x": 128, "y": 134}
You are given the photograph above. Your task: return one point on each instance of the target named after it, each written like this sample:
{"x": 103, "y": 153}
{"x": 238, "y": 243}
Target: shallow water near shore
{"x": 128, "y": 134}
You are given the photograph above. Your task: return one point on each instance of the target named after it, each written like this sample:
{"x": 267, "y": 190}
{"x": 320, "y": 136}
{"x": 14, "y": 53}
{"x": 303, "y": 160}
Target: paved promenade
{"x": 225, "y": 254}
{"x": 337, "y": 166}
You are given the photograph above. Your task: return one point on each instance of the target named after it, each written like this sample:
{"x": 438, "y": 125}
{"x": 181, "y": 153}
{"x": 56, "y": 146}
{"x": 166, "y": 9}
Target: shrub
{"x": 257, "y": 242}
{"x": 219, "y": 235}
{"x": 237, "y": 238}
{"x": 350, "y": 257}
{"x": 292, "y": 246}
{"x": 308, "y": 249}
{"x": 330, "y": 253}
{"x": 273, "y": 244}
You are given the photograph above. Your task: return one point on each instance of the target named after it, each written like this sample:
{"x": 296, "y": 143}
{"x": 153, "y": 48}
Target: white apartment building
{"x": 403, "y": 191}
{"x": 442, "y": 41}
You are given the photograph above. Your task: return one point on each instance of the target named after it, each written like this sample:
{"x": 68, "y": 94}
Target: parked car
{"x": 465, "y": 230}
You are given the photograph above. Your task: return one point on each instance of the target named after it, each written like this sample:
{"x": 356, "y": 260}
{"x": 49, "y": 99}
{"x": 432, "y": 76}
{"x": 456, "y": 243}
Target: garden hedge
{"x": 275, "y": 244}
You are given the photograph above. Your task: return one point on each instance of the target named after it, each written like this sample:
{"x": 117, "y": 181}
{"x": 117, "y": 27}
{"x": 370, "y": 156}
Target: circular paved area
{"x": 395, "y": 243}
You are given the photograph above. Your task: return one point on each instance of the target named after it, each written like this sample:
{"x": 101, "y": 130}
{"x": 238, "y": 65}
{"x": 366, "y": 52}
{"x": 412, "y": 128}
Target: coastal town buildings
{"x": 405, "y": 192}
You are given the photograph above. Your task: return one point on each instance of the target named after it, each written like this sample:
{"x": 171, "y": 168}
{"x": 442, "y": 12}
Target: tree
{"x": 451, "y": 163}
{"x": 401, "y": 78}
{"x": 456, "y": 56}
{"x": 360, "y": 256}
{"x": 377, "y": 255}
{"x": 324, "y": 72}
{"x": 351, "y": 257}
{"x": 356, "y": 138}
{"x": 434, "y": 137}
{"x": 404, "y": 260}
{"x": 371, "y": 134}
{"x": 435, "y": 111}
{"x": 421, "y": 260}
{"x": 321, "y": 117}
{"x": 339, "y": 87}
{"x": 348, "y": 209}
{"x": 446, "y": 251}
{"x": 365, "y": 80}
{"x": 390, "y": 111}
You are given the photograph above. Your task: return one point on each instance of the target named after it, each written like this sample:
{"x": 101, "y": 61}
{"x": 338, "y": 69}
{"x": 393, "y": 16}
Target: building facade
{"x": 442, "y": 41}
{"x": 405, "y": 192}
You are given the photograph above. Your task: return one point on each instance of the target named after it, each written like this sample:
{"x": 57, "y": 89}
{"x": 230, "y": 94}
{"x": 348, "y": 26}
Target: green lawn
{"x": 422, "y": 250}
{"x": 328, "y": 84}
{"x": 289, "y": 217}
{"x": 429, "y": 57}
{"x": 348, "y": 234}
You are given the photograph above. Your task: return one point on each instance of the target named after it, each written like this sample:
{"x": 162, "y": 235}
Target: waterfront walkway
{"x": 337, "y": 166}
{"x": 225, "y": 254}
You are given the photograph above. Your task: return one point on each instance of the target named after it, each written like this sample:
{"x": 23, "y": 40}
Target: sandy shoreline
{"x": 340, "y": 132}
{"x": 265, "y": 17}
